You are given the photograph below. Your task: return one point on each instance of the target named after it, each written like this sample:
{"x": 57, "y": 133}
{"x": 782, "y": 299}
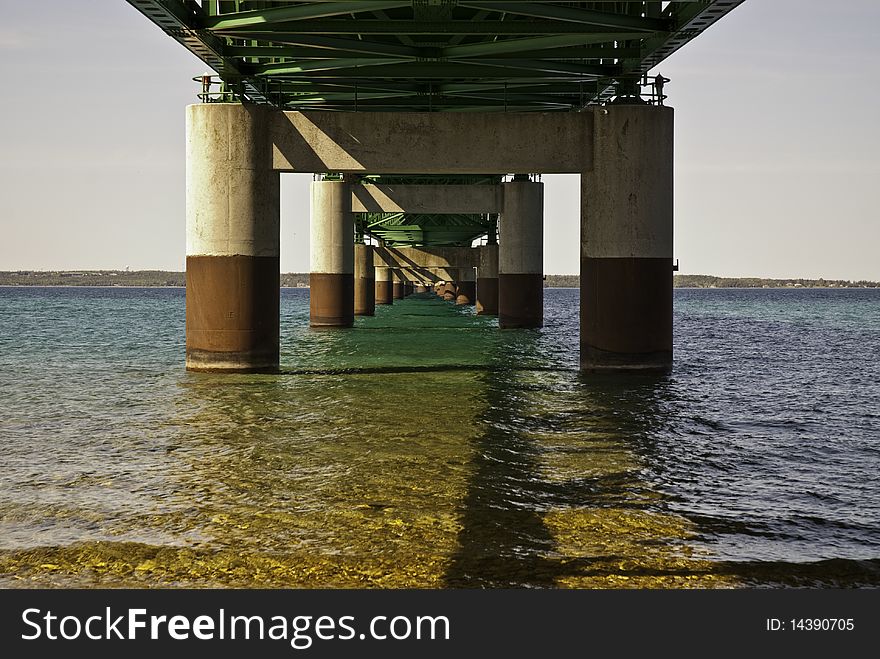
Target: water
{"x": 425, "y": 448}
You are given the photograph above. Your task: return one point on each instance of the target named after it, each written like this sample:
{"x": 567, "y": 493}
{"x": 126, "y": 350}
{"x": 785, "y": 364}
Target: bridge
{"x": 429, "y": 123}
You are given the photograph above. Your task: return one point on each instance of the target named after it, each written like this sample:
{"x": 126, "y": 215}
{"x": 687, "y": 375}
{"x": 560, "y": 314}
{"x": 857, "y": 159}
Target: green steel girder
{"x": 527, "y": 44}
{"x": 331, "y": 44}
{"x": 445, "y": 28}
{"x": 300, "y": 12}
{"x": 469, "y": 70}
{"x": 426, "y": 49}
{"x": 593, "y": 18}
{"x": 575, "y": 52}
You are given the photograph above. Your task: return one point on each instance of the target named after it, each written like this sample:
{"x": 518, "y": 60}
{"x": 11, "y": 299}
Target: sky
{"x": 777, "y": 146}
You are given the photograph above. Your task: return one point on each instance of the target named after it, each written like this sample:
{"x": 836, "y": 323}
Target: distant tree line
{"x": 709, "y": 281}
{"x": 92, "y": 278}
{"x": 301, "y": 279}
{"x": 116, "y": 278}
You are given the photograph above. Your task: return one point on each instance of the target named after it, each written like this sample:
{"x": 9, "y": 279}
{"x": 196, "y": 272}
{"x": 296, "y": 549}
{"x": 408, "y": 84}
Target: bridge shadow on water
{"x": 509, "y": 517}
{"x": 503, "y": 540}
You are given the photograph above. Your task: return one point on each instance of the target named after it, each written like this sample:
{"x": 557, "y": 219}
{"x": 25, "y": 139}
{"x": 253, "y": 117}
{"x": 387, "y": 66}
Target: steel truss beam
{"x": 423, "y": 50}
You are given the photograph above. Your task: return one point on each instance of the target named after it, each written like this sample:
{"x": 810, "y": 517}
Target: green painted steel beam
{"x": 412, "y": 28}
{"x": 444, "y": 70}
{"x": 290, "y": 52}
{"x": 288, "y": 68}
{"x": 353, "y": 45}
{"x": 534, "y": 43}
{"x": 550, "y": 66}
{"x": 431, "y": 55}
{"x": 300, "y": 12}
{"x": 593, "y": 18}
{"x": 570, "y": 52}
{"x": 523, "y": 50}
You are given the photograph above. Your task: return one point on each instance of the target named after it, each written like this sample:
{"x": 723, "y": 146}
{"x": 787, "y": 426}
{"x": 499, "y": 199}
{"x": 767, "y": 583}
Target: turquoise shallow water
{"x": 427, "y": 448}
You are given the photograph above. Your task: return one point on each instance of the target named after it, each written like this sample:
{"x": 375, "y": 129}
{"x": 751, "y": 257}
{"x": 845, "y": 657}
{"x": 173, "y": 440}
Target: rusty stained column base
{"x": 466, "y": 292}
{"x": 331, "y": 300}
{"x": 364, "y": 296}
{"x": 626, "y": 314}
{"x": 384, "y": 292}
{"x": 487, "y": 296}
{"x": 398, "y": 290}
{"x": 520, "y": 301}
{"x": 232, "y": 313}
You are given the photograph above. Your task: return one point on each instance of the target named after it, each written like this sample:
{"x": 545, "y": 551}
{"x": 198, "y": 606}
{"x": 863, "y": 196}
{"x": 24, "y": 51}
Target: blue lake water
{"x": 426, "y": 448}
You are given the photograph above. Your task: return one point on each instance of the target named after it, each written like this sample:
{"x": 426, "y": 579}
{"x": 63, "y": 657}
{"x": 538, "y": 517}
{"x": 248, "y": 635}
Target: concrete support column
{"x": 626, "y": 242}
{"x": 332, "y": 255}
{"x": 364, "y": 281}
{"x": 521, "y": 256}
{"x": 232, "y": 239}
{"x": 397, "y": 283}
{"x": 466, "y": 290}
{"x": 384, "y": 286}
{"x": 487, "y": 281}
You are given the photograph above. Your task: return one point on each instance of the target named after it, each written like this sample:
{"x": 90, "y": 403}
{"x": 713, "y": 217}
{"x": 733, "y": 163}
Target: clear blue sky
{"x": 777, "y": 144}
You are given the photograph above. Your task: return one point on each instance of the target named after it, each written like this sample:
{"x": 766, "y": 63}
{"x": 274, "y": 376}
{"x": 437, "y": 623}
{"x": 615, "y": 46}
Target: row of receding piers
{"x": 384, "y": 284}
{"x": 234, "y": 156}
{"x": 349, "y": 279}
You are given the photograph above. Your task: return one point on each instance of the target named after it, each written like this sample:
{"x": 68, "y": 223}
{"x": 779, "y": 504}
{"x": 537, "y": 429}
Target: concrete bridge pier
{"x": 626, "y": 242}
{"x": 397, "y": 283}
{"x": 521, "y": 255}
{"x": 466, "y": 288}
{"x": 332, "y": 255}
{"x": 487, "y": 281}
{"x": 364, "y": 281}
{"x": 384, "y": 285}
{"x": 232, "y": 240}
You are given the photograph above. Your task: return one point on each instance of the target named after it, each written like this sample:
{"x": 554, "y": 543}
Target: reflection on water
{"x": 424, "y": 448}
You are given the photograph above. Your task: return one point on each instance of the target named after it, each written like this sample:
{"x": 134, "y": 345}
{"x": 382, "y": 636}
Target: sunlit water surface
{"x": 426, "y": 448}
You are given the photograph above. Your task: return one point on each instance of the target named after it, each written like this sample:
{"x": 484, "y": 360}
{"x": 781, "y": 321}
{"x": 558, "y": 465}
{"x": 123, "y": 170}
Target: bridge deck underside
{"x": 431, "y": 55}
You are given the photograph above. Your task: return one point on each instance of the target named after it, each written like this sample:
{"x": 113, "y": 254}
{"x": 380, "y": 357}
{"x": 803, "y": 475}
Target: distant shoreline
{"x": 172, "y": 279}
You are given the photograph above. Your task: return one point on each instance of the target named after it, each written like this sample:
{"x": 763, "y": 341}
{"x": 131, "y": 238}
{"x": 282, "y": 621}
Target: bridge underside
{"x": 431, "y": 55}
{"x": 440, "y": 228}
{"x": 391, "y": 102}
